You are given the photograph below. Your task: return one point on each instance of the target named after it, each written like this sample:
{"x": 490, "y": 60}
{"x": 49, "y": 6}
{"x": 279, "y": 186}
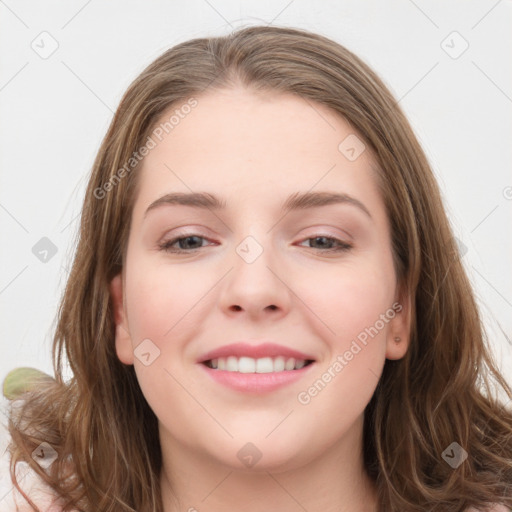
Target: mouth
{"x": 256, "y": 369}
{"x": 256, "y": 376}
{"x": 261, "y": 365}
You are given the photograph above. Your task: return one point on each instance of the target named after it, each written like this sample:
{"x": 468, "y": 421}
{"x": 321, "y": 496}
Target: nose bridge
{"x": 253, "y": 285}
{"x": 255, "y": 239}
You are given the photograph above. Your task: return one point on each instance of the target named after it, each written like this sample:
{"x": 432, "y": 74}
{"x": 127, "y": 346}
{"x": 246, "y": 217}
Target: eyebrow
{"x": 296, "y": 201}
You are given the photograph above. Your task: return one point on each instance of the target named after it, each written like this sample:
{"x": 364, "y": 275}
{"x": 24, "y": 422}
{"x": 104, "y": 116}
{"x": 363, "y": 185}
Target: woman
{"x": 253, "y": 371}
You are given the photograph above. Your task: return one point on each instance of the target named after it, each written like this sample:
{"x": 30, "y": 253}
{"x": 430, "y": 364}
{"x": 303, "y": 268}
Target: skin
{"x": 254, "y": 150}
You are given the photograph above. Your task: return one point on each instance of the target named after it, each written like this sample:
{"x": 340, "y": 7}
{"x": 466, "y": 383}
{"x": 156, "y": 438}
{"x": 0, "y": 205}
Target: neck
{"x": 335, "y": 481}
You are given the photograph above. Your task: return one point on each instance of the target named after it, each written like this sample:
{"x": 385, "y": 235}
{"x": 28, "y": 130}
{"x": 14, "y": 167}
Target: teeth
{"x": 299, "y": 364}
{"x": 242, "y": 365}
{"x": 290, "y": 364}
{"x": 262, "y": 365}
{"x": 232, "y": 364}
{"x": 279, "y": 364}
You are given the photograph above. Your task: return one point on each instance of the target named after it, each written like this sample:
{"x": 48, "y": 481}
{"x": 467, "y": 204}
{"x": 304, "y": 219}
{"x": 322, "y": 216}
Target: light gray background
{"x": 56, "y": 110}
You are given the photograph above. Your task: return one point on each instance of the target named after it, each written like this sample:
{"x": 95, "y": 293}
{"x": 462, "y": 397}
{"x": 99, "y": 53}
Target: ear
{"x": 124, "y": 346}
{"x": 398, "y": 339}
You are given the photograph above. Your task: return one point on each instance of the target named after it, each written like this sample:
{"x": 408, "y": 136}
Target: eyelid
{"x": 190, "y": 232}
{"x": 182, "y": 231}
{"x": 184, "y": 234}
{"x": 329, "y": 229}
{"x": 321, "y": 230}
{"x": 340, "y": 244}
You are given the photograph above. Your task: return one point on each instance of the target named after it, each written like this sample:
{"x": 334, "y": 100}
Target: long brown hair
{"x": 442, "y": 390}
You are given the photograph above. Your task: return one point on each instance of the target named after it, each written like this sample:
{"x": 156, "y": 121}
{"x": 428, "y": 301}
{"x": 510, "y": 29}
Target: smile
{"x": 260, "y": 365}
{"x": 256, "y": 376}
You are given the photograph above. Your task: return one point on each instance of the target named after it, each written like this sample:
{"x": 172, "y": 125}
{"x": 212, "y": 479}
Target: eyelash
{"x": 167, "y": 246}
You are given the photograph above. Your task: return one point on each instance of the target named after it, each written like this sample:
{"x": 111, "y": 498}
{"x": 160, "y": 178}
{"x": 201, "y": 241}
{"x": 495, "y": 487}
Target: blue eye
{"x": 184, "y": 242}
{"x": 191, "y": 243}
{"x": 341, "y": 246}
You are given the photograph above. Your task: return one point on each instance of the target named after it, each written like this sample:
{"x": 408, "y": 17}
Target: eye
{"x": 193, "y": 242}
{"x": 184, "y": 244}
{"x": 324, "y": 241}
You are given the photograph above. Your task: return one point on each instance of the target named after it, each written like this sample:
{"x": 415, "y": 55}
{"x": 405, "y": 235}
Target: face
{"x": 315, "y": 277}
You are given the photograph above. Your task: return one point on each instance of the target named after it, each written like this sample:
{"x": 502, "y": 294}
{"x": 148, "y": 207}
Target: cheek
{"x": 163, "y": 304}
{"x": 160, "y": 300}
{"x": 356, "y": 306}
{"x": 350, "y": 298}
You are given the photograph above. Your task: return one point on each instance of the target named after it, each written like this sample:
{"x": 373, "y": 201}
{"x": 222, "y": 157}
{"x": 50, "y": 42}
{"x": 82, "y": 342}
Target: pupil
{"x": 185, "y": 241}
{"x": 321, "y": 238}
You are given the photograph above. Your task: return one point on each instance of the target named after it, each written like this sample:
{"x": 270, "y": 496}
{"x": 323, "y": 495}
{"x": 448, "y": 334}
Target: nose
{"x": 256, "y": 287}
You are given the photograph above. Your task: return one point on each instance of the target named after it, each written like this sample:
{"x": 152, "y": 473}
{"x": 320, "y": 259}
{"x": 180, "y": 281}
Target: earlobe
{"x": 398, "y": 338}
{"x": 124, "y": 347}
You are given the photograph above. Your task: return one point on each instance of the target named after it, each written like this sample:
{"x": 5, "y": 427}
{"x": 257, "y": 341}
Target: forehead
{"x": 236, "y": 122}
{"x": 239, "y": 142}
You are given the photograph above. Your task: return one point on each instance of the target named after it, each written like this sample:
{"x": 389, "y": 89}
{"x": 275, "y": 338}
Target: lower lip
{"x": 256, "y": 382}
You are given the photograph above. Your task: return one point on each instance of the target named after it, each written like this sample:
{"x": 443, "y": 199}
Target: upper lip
{"x": 244, "y": 349}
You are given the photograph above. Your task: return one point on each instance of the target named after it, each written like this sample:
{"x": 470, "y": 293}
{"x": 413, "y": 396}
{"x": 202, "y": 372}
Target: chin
{"x": 264, "y": 455}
